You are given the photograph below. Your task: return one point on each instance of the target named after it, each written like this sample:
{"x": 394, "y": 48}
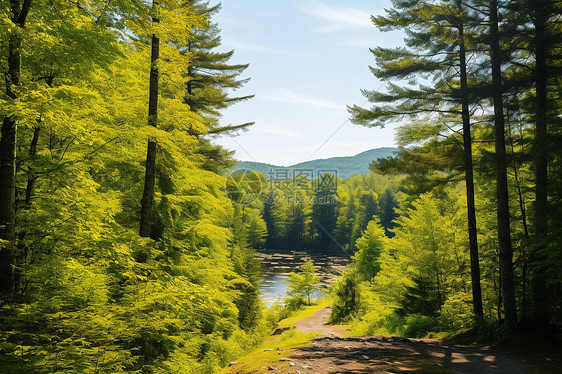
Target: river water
{"x": 278, "y": 264}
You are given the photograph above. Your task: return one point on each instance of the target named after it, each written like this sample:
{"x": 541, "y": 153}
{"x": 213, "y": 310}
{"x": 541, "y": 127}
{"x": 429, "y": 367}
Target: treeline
{"x": 119, "y": 247}
{"x": 299, "y": 211}
{"x": 476, "y": 88}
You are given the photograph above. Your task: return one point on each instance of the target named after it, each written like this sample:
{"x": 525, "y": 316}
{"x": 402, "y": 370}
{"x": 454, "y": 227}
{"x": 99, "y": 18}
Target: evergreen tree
{"x": 437, "y": 44}
{"x": 369, "y": 249}
{"x": 538, "y": 20}
{"x": 269, "y": 220}
{"x": 210, "y": 76}
{"x": 323, "y": 214}
{"x": 304, "y": 283}
{"x": 388, "y": 212}
{"x": 347, "y": 303}
{"x": 357, "y": 204}
{"x": 502, "y": 194}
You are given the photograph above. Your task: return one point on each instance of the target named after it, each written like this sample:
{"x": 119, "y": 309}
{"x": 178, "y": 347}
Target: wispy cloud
{"x": 286, "y": 96}
{"x": 276, "y": 130}
{"x": 229, "y": 43}
{"x": 338, "y": 17}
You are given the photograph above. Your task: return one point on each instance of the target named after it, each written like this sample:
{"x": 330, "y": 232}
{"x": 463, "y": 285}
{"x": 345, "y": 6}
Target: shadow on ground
{"x": 397, "y": 355}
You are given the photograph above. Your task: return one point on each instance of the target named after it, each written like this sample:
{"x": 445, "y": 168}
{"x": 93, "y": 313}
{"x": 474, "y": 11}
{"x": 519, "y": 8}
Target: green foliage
{"x": 461, "y": 63}
{"x": 415, "y": 282}
{"x": 369, "y": 248}
{"x": 456, "y": 312}
{"x": 357, "y": 204}
{"x": 210, "y": 76}
{"x": 347, "y": 294}
{"x": 417, "y": 325}
{"x": 304, "y": 283}
{"x": 325, "y": 214}
{"x": 92, "y": 296}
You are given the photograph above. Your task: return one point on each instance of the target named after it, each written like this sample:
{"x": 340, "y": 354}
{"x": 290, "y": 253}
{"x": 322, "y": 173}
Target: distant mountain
{"x": 344, "y": 166}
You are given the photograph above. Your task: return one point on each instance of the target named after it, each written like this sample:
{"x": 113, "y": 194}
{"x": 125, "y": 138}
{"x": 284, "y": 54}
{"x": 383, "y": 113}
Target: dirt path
{"x": 395, "y": 355}
{"x": 333, "y": 353}
{"x": 316, "y": 323}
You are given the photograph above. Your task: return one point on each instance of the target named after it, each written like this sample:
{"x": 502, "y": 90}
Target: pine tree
{"x": 369, "y": 249}
{"x": 323, "y": 214}
{"x": 539, "y": 40}
{"x": 303, "y": 283}
{"x": 388, "y": 212}
{"x": 437, "y": 42}
{"x": 502, "y": 194}
{"x": 210, "y": 76}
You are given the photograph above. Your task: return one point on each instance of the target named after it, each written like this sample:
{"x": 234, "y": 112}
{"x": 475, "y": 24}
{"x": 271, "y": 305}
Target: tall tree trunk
{"x": 523, "y": 210}
{"x": 540, "y": 309}
{"x": 502, "y": 192}
{"x": 8, "y": 147}
{"x": 7, "y": 206}
{"x": 469, "y": 179}
{"x": 147, "y": 201}
{"x": 21, "y": 252}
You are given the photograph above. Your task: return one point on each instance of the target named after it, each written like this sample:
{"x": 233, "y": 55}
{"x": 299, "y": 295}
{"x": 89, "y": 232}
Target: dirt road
{"x": 334, "y": 354}
{"x": 317, "y": 323}
{"x": 396, "y": 355}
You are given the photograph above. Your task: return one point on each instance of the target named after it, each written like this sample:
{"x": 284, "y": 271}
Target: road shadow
{"x": 398, "y": 355}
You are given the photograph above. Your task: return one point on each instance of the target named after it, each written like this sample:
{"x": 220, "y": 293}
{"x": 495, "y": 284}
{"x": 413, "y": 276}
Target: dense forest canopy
{"x": 87, "y": 85}
{"x": 127, "y": 242}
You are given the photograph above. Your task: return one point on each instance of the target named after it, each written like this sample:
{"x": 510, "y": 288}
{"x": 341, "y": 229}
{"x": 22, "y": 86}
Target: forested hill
{"x": 345, "y": 166}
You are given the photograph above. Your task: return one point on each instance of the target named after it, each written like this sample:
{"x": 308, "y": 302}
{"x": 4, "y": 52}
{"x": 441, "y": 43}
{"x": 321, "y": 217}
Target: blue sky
{"x": 308, "y": 60}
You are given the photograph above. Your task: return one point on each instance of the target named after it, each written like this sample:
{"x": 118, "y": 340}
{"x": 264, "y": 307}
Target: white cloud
{"x": 286, "y": 96}
{"x": 339, "y": 18}
{"x": 276, "y": 130}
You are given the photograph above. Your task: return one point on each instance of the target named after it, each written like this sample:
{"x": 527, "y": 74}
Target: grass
{"x": 276, "y": 347}
{"x": 270, "y": 352}
{"x": 303, "y": 313}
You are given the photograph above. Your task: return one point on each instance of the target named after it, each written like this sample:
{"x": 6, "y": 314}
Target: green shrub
{"x": 417, "y": 325}
{"x": 347, "y": 302}
{"x": 456, "y": 313}
{"x": 294, "y": 303}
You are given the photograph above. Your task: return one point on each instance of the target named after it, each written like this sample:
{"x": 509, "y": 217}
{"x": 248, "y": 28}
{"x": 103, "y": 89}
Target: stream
{"x": 278, "y": 264}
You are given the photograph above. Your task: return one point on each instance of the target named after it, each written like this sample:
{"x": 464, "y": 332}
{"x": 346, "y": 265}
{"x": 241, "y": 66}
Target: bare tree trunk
{"x": 541, "y": 298}
{"x": 21, "y": 252}
{"x": 502, "y": 192}
{"x": 7, "y": 206}
{"x": 147, "y": 202}
{"x": 522, "y": 208}
{"x": 469, "y": 179}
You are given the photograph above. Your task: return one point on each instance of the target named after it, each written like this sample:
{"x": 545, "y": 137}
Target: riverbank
{"x": 277, "y": 264}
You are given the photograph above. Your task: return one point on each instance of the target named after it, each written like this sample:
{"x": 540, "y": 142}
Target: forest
{"x": 127, "y": 241}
